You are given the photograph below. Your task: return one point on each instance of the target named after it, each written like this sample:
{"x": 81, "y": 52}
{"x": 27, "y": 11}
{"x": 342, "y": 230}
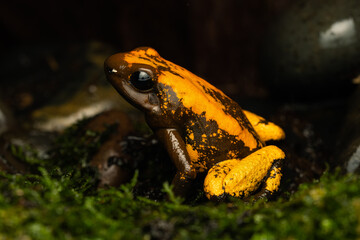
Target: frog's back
{"x": 226, "y": 135}
{"x": 213, "y": 125}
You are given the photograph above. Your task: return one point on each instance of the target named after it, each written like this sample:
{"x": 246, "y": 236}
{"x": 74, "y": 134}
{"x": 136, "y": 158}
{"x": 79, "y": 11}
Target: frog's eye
{"x": 141, "y": 80}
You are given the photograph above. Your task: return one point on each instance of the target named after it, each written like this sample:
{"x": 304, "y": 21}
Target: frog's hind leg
{"x": 240, "y": 178}
{"x": 265, "y": 129}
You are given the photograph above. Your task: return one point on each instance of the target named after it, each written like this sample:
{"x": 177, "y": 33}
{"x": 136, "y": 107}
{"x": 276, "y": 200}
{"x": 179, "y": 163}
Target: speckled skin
{"x": 200, "y": 126}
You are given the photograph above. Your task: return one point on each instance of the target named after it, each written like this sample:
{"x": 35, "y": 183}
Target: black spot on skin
{"x": 233, "y": 109}
{"x": 169, "y": 69}
{"x": 144, "y": 58}
{"x": 264, "y": 121}
{"x": 155, "y": 58}
{"x": 276, "y": 163}
{"x": 173, "y": 102}
{"x": 213, "y": 148}
{"x": 166, "y": 67}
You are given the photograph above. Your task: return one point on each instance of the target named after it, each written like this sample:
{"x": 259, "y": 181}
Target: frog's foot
{"x": 241, "y": 178}
{"x": 272, "y": 182}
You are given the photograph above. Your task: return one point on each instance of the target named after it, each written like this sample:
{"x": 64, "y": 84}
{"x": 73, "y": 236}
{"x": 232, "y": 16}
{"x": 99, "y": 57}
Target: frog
{"x": 202, "y": 129}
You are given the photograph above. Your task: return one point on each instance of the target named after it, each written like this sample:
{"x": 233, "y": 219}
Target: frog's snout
{"x": 112, "y": 70}
{"x": 109, "y": 66}
{"x": 114, "y": 64}
{"x": 108, "y": 70}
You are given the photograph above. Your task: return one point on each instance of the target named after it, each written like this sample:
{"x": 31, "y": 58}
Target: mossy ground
{"x": 59, "y": 201}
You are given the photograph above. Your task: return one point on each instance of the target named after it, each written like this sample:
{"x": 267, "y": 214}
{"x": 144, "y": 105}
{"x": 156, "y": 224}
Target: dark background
{"x": 45, "y": 47}
{"x": 218, "y": 40}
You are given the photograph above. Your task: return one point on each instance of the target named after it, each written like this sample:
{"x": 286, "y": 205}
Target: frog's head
{"x": 134, "y": 76}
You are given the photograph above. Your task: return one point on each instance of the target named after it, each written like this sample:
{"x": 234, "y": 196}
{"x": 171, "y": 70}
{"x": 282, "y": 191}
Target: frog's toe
{"x": 273, "y": 182}
{"x": 213, "y": 184}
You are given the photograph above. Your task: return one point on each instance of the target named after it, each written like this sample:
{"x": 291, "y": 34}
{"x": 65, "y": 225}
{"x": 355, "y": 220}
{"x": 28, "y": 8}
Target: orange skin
{"x": 198, "y": 124}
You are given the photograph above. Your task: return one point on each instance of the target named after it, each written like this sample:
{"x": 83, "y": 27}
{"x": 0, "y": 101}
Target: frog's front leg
{"x": 176, "y": 149}
{"x": 241, "y": 178}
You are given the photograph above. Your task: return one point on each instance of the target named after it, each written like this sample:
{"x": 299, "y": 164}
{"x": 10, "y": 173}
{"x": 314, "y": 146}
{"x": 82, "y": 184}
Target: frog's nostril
{"x": 110, "y": 70}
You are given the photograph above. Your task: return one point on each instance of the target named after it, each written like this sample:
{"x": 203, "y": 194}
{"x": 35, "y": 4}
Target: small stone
{"x": 348, "y": 144}
{"x": 313, "y": 49}
{"x": 111, "y": 173}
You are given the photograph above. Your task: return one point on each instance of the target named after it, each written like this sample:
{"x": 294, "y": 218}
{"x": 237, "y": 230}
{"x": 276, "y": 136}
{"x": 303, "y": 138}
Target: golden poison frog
{"x": 201, "y": 128}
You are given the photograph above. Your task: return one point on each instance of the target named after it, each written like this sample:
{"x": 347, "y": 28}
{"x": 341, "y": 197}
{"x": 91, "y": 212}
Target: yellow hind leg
{"x": 241, "y": 178}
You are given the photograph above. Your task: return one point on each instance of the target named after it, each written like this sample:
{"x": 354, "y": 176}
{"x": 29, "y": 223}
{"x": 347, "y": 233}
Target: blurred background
{"x": 227, "y": 43}
{"x": 220, "y": 41}
{"x": 295, "y": 62}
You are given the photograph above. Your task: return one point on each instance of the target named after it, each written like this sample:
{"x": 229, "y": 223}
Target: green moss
{"x": 42, "y": 207}
{"x": 59, "y": 201}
